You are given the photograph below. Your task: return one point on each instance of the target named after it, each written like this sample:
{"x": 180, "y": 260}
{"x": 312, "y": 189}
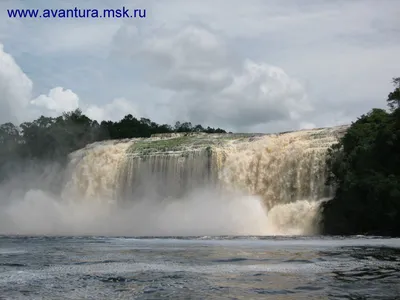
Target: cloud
{"x": 262, "y": 94}
{"x": 17, "y": 105}
{"x": 57, "y": 101}
{"x": 115, "y": 110}
{"x": 15, "y": 89}
{"x": 58, "y": 35}
{"x": 192, "y": 58}
{"x": 264, "y": 66}
{"x": 76, "y": 37}
{"x": 213, "y": 86}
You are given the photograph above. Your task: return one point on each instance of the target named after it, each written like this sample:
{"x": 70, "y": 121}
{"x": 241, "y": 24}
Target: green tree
{"x": 394, "y": 97}
{"x": 365, "y": 169}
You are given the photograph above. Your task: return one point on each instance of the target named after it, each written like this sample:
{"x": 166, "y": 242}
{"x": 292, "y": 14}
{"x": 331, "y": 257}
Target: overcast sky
{"x": 254, "y": 65}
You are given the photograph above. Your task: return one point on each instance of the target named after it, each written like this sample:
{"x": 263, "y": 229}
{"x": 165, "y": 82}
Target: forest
{"x": 365, "y": 169}
{"x": 53, "y": 138}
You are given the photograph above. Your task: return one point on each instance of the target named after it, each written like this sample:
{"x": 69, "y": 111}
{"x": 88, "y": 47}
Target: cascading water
{"x": 280, "y": 168}
{"x": 92, "y": 172}
{"x": 286, "y": 170}
{"x": 163, "y": 175}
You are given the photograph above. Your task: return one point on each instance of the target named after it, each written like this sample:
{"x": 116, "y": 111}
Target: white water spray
{"x": 195, "y": 185}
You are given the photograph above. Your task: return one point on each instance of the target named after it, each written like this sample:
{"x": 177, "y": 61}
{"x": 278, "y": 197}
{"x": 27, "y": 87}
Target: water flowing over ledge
{"x": 285, "y": 171}
{"x": 184, "y": 184}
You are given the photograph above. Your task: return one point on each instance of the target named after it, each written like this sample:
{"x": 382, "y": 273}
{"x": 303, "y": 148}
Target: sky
{"x": 245, "y": 66}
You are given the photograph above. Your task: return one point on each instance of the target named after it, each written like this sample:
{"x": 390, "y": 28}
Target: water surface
{"x": 199, "y": 268}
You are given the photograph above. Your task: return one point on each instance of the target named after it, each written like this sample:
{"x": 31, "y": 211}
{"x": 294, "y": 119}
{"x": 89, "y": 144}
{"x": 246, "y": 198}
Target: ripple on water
{"x": 206, "y": 268}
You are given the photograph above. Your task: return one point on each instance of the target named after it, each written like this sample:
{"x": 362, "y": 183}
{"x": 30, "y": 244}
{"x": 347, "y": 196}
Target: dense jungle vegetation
{"x": 365, "y": 168}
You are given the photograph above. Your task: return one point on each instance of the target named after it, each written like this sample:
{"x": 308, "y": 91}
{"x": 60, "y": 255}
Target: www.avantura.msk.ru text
{"x": 77, "y": 13}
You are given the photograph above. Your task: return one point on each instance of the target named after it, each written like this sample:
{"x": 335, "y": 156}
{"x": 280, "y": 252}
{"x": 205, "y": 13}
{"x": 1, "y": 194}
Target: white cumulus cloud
{"x": 57, "y": 101}
{"x": 15, "y": 89}
{"x": 211, "y": 85}
{"x": 17, "y": 105}
{"x": 115, "y": 110}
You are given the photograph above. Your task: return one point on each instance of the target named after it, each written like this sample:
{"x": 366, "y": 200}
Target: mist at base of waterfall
{"x": 203, "y": 212}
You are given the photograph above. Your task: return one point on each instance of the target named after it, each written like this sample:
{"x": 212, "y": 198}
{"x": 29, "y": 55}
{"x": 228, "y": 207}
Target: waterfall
{"x": 92, "y": 173}
{"x": 285, "y": 171}
{"x": 165, "y": 175}
{"x": 281, "y": 168}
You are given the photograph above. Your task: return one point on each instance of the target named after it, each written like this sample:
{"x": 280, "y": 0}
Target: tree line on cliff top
{"x": 365, "y": 168}
{"x": 53, "y": 138}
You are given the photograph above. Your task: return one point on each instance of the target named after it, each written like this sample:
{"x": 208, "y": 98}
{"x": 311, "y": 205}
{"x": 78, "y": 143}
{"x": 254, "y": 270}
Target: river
{"x": 46, "y": 267}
